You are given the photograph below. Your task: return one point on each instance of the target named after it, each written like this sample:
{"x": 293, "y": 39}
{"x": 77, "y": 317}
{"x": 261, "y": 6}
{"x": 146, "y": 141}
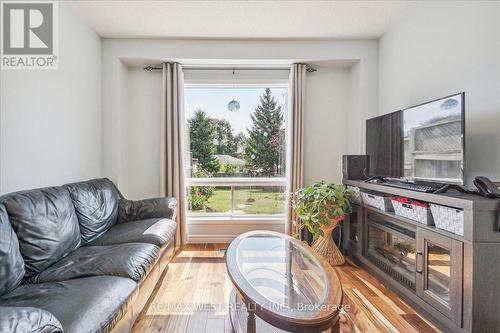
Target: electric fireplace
{"x": 392, "y": 248}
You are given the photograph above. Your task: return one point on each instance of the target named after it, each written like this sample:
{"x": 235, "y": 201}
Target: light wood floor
{"x": 194, "y": 294}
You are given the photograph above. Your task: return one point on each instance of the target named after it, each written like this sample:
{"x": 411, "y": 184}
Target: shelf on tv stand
{"x": 393, "y": 216}
{"x": 457, "y": 200}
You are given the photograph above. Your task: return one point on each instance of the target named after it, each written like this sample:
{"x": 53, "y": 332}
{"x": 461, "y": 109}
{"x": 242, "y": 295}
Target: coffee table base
{"x": 239, "y": 318}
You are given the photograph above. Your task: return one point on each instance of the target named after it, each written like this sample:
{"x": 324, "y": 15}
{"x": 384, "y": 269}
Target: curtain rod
{"x": 151, "y": 68}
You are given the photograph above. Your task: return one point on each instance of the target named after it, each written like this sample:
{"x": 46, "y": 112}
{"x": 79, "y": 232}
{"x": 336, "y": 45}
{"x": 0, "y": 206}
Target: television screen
{"x": 421, "y": 143}
{"x": 384, "y": 145}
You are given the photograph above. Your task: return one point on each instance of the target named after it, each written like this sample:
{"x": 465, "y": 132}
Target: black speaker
{"x": 355, "y": 167}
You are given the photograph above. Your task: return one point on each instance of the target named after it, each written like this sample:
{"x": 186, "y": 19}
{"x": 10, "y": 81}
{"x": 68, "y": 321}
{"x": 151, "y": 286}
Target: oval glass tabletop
{"x": 282, "y": 271}
{"x": 284, "y": 278}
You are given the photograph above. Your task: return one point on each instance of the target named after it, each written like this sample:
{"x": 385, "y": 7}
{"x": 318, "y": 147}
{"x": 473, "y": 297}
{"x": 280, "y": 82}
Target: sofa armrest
{"x": 129, "y": 210}
{"x": 27, "y": 319}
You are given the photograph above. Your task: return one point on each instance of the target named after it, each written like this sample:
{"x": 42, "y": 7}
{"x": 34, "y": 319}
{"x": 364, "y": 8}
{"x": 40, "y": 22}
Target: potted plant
{"x": 321, "y": 207}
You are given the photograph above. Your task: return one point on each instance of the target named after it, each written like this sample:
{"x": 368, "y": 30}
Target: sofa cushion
{"x": 16, "y": 319}
{"x": 46, "y": 225}
{"x": 153, "y": 231}
{"x": 96, "y": 204}
{"x": 132, "y": 260}
{"x": 11, "y": 261}
{"x": 88, "y": 305}
{"x": 130, "y": 210}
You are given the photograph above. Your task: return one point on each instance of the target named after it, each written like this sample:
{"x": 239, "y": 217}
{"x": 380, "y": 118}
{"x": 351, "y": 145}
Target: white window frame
{"x": 202, "y": 218}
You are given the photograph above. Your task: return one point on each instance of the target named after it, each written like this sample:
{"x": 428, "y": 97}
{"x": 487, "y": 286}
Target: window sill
{"x": 193, "y": 220}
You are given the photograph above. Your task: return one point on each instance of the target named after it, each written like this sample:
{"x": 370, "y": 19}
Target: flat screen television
{"x": 423, "y": 143}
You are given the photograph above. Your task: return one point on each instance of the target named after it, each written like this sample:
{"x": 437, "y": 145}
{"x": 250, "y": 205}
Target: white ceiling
{"x": 263, "y": 19}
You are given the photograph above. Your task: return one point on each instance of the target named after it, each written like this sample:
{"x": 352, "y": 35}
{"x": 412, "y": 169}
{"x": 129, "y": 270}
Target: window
{"x": 236, "y": 143}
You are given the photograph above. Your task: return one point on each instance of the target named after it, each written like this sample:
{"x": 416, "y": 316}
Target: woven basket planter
{"x": 327, "y": 247}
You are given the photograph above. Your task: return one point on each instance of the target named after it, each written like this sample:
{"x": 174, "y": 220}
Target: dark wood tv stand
{"x": 469, "y": 301}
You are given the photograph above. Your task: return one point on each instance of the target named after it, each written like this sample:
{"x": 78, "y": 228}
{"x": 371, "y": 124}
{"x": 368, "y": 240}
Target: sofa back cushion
{"x": 11, "y": 261}
{"x": 96, "y": 205}
{"x": 46, "y": 225}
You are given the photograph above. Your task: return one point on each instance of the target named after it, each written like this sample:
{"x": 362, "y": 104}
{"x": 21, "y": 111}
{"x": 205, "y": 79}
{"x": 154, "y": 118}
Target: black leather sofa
{"x": 80, "y": 258}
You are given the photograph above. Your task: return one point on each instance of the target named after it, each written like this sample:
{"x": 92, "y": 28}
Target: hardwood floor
{"x": 194, "y": 294}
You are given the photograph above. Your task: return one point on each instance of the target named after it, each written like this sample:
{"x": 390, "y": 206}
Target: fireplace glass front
{"x": 392, "y": 249}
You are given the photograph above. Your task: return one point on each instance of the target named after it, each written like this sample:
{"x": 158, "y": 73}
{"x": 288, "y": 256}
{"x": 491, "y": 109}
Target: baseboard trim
{"x": 200, "y": 239}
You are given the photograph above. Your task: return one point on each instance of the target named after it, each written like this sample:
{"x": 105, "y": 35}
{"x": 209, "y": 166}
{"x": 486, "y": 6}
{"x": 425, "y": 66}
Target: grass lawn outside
{"x": 248, "y": 200}
{"x": 220, "y": 201}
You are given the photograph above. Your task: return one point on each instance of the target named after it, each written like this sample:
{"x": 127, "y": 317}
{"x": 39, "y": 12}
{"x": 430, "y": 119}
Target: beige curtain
{"x": 297, "y": 80}
{"x": 171, "y": 166}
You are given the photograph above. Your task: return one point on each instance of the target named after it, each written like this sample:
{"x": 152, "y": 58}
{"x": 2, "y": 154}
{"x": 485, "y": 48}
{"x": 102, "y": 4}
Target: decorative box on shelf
{"x": 412, "y": 209}
{"x": 448, "y": 218}
{"x": 377, "y": 200}
{"x": 357, "y": 195}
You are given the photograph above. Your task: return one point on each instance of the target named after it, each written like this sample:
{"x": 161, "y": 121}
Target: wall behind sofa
{"x": 443, "y": 49}
{"x": 122, "y": 106}
{"x": 50, "y": 125}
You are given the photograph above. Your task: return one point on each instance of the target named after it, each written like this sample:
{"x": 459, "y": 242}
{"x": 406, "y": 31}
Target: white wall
{"x": 326, "y": 133}
{"x": 117, "y": 116}
{"x": 144, "y": 112}
{"x": 355, "y": 118}
{"x": 50, "y": 120}
{"x": 443, "y": 49}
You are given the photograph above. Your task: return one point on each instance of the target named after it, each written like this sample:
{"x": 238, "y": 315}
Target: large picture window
{"x": 236, "y": 143}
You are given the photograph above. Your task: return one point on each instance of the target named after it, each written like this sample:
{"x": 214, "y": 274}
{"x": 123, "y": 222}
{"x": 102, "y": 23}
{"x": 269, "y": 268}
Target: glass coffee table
{"x": 281, "y": 285}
